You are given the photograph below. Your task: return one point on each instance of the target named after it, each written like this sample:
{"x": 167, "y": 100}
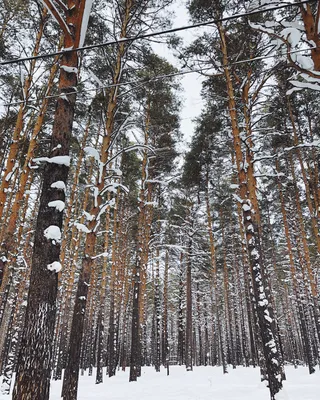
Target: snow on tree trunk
{"x": 265, "y": 322}
{"x": 34, "y": 362}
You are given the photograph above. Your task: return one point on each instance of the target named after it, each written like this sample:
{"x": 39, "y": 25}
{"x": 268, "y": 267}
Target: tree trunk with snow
{"x": 34, "y": 362}
{"x": 101, "y": 352}
{"x": 165, "y": 343}
{"x": 70, "y": 383}
{"x": 157, "y": 315}
{"x": 189, "y": 324}
{"x": 181, "y": 315}
{"x": 270, "y": 350}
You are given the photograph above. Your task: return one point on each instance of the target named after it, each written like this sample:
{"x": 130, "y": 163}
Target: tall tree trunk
{"x": 103, "y": 294}
{"x": 165, "y": 343}
{"x": 139, "y": 273}
{"x": 181, "y": 317}
{"x": 70, "y": 383}
{"x": 214, "y": 279}
{"x": 113, "y": 317}
{"x": 271, "y": 352}
{"x": 227, "y": 308}
{"x": 157, "y": 307}
{"x": 189, "y": 325}
{"x": 34, "y": 363}
{"x": 135, "y": 358}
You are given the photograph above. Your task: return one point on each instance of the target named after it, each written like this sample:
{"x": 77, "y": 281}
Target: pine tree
{"x": 34, "y": 367}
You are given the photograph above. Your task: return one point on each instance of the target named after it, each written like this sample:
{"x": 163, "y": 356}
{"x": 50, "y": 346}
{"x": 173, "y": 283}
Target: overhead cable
{"x": 157, "y": 77}
{"x": 154, "y": 34}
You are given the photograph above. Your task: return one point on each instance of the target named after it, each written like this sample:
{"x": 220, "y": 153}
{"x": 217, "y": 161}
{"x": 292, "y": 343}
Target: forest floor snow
{"x": 203, "y": 383}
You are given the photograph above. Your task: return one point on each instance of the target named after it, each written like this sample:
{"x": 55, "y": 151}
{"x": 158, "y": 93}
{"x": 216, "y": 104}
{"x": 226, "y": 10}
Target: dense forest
{"x": 117, "y": 249}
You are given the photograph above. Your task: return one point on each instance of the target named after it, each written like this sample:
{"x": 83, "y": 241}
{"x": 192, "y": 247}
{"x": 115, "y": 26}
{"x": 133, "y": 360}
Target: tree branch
{"x": 57, "y": 16}
{"x": 61, "y": 5}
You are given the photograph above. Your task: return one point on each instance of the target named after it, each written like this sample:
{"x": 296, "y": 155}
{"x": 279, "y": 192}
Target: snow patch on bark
{"x": 60, "y": 185}
{"x": 54, "y": 267}
{"x": 53, "y": 233}
{"x": 69, "y": 70}
{"x": 60, "y": 160}
{"x": 59, "y": 205}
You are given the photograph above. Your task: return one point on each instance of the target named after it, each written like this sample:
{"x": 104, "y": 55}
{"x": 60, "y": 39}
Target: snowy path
{"x": 204, "y": 383}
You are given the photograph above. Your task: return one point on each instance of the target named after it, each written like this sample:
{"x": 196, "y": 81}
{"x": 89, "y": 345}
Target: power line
{"x": 112, "y": 85}
{"x": 153, "y": 34}
{"x": 158, "y": 77}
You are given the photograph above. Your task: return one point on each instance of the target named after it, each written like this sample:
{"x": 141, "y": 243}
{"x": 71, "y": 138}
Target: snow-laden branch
{"x": 57, "y": 16}
{"x": 131, "y": 148}
{"x": 287, "y": 149}
{"x": 84, "y": 22}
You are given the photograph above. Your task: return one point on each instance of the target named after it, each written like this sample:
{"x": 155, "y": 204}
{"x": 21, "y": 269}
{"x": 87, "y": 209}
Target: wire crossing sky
{"x": 156, "y": 77}
{"x": 154, "y": 34}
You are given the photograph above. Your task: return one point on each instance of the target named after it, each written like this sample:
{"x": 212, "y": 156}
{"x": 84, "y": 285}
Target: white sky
{"x": 191, "y": 83}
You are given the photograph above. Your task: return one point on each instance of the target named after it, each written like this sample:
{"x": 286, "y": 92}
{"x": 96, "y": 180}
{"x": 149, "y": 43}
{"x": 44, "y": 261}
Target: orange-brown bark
{"x": 311, "y": 25}
{"x": 14, "y": 147}
{"x": 274, "y": 370}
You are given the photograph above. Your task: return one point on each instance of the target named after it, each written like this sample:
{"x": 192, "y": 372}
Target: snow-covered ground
{"x": 203, "y": 383}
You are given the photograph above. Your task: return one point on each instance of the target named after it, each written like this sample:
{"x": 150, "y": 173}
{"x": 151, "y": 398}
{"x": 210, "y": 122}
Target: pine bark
{"x": 34, "y": 362}
{"x": 270, "y": 350}
{"x": 139, "y": 272}
{"x": 70, "y": 384}
{"x": 189, "y": 324}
